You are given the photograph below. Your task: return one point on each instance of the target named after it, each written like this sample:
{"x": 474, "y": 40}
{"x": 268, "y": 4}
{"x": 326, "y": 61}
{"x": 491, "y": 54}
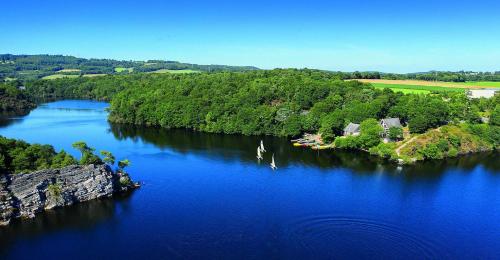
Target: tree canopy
{"x": 18, "y": 156}
{"x": 13, "y": 99}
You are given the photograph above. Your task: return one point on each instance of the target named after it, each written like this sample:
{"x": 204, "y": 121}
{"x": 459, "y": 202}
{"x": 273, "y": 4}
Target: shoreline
{"x": 396, "y": 155}
{"x": 25, "y": 195}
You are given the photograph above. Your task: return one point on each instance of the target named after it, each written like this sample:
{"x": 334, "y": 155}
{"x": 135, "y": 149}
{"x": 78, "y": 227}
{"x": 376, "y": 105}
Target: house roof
{"x": 391, "y": 122}
{"x": 351, "y": 128}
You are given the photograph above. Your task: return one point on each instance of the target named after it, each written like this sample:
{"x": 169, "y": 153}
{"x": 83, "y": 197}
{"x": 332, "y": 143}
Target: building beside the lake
{"x": 481, "y": 93}
{"x": 352, "y": 129}
{"x": 388, "y": 123}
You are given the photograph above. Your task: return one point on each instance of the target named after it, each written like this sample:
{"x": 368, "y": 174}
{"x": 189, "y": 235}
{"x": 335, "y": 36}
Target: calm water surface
{"x": 206, "y": 197}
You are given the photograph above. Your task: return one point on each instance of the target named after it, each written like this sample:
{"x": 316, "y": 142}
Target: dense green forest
{"x": 30, "y": 67}
{"x": 14, "y": 100}
{"x": 18, "y": 156}
{"x": 97, "y": 88}
{"x": 277, "y": 102}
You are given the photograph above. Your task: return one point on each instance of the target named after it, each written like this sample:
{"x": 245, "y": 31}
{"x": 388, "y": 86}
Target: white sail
{"x": 273, "y": 165}
{"x": 262, "y": 146}
{"x": 259, "y": 155}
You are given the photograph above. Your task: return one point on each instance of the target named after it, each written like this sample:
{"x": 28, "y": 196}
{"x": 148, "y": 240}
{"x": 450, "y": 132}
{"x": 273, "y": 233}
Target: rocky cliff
{"x": 23, "y": 195}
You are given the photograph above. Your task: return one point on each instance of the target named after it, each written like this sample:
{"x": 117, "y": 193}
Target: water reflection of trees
{"x": 80, "y": 216}
{"x": 237, "y": 147}
{"x": 9, "y": 119}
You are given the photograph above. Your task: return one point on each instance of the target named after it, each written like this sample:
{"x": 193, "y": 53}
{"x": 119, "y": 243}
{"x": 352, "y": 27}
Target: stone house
{"x": 387, "y": 123}
{"x": 351, "y": 129}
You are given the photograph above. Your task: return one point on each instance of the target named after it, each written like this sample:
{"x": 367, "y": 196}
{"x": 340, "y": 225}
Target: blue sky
{"x": 382, "y": 35}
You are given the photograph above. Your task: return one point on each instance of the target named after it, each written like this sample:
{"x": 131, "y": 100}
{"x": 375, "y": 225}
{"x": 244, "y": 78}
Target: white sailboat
{"x": 259, "y": 154}
{"x": 262, "y": 146}
{"x": 273, "y": 165}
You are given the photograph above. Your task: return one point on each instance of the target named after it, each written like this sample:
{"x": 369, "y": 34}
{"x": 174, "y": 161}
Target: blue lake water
{"x": 205, "y": 196}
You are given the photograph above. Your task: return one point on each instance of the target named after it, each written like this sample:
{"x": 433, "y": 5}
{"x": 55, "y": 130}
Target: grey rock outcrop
{"x": 23, "y": 195}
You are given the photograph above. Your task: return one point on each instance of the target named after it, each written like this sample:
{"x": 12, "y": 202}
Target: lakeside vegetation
{"x": 18, "y": 156}
{"x": 284, "y": 102}
{"x": 450, "y": 141}
{"x": 14, "y": 100}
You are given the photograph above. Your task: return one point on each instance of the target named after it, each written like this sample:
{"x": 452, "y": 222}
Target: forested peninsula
{"x": 34, "y": 177}
{"x": 13, "y": 100}
{"x": 290, "y": 102}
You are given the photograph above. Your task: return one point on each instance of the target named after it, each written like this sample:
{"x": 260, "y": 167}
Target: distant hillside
{"x": 28, "y": 67}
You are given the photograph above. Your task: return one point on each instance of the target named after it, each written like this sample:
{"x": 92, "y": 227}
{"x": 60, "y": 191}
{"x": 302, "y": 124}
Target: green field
{"x": 93, "y": 75}
{"x": 488, "y": 84}
{"x": 121, "y": 69}
{"x": 415, "y": 89}
{"x": 175, "y": 71}
{"x": 68, "y": 71}
{"x": 60, "y": 76}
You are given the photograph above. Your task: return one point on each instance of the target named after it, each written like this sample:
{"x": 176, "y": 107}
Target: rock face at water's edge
{"x": 23, "y": 195}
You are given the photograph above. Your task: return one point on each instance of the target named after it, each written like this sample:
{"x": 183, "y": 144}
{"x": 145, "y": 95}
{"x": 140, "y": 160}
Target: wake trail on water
{"x": 362, "y": 237}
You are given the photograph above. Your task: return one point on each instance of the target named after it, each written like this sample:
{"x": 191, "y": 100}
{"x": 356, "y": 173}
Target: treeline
{"x": 447, "y": 76}
{"x": 154, "y": 65}
{"x": 30, "y": 67}
{"x": 18, "y": 156}
{"x": 358, "y": 75}
{"x": 277, "y": 102}
{"x": 96, "y": 88}
{"x": 461, "y": 76}
{"x": 13, "y": 100}
{"x": 252, "y": 103}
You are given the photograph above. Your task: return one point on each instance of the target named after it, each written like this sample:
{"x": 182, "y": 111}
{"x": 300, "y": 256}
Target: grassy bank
{"x": 443, "y": 142}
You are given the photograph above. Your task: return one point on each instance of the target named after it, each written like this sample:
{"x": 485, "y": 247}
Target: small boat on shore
{"x": 309, "y": 140}
{"x": 321, "y": 147}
